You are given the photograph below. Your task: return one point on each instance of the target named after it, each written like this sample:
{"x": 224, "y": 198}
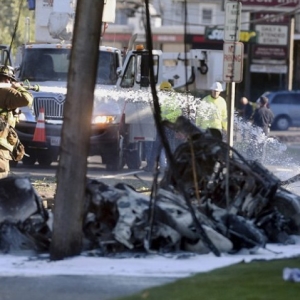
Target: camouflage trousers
{"x": 4, "y": 162}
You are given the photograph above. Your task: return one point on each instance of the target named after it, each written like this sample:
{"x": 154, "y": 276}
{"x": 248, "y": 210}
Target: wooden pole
{"x": 71, "y": 174}
{"x": 230, "y": 112}
{"x": 291, "y": 54}
{"x": 230, "y": 123}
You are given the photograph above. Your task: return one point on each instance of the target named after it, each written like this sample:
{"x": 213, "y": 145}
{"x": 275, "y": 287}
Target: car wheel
{"x": 286, "y": 204}
{"x": 116, "y": 162}
{"x": 28, "y": 160}
{"x": 44, "y": 160}
{"x": 133, "y": 160}
{"x": 282, "y": 123}
{"x": 13, "y": 163}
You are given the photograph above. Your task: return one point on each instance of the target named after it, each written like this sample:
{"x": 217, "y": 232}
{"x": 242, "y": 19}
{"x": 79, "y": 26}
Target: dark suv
{"x": 285, "y": 106}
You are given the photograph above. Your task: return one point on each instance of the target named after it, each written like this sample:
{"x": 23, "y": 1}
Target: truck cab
{"x": 47, "y": 65}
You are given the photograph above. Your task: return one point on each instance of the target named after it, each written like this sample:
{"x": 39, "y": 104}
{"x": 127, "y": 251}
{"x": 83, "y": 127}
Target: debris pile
{"x": 23, "y": 218}
{"x": 209, "y": 199}
{"x": 194, "y": 208}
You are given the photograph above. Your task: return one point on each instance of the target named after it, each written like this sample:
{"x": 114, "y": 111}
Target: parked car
{"x": 285, "y": 106}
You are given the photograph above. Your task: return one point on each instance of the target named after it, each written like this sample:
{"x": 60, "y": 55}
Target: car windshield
{"x": 53, "y": 65}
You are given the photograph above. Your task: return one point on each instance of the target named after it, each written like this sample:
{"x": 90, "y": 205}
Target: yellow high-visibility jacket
{"x": 170, "y": 109}
{"x": 216, "y": 117}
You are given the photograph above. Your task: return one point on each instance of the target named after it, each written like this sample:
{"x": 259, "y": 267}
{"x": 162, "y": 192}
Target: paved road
{"x": 95, "y": 170}
{"x": 137, "y": 178}
{"x": 291, "y": 131}
{"x": 290, "y": 136}
{"x": 74, "y": 287}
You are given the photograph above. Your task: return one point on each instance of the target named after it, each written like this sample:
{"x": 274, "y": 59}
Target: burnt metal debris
{"x": 23, "y": 218}
{"x": 253, "y": 210}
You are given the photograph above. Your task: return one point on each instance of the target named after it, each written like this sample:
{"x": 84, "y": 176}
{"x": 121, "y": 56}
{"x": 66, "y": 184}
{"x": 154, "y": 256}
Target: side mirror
{"x": 119, "y": 71}
{"x": 143, "y": 70}
{"x": 17, "y": 68}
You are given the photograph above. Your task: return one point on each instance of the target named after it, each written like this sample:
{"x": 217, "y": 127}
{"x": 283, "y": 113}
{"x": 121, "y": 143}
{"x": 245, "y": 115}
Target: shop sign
{"x": 271, "y": 18}
{"x": 272, "y": 34}
{"x": 265, "y": 68}
{"x": 270, "y": 52}
{"x": 217, "y": 34}
{"x": 276, "y": 4}
{"x": 167, "y": 38}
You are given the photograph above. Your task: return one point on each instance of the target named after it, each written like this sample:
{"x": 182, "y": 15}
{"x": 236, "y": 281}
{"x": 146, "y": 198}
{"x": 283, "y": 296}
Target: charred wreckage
{"x": 193, "y": 208}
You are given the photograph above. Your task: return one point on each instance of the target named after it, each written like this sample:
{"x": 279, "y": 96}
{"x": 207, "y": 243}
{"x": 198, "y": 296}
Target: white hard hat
{"x": 216, "y": 86}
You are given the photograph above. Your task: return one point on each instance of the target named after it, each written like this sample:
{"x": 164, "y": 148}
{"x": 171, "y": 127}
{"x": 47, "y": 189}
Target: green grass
{"x": 258, "y": 280}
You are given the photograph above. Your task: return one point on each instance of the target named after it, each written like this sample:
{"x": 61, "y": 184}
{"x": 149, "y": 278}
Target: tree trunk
{"x": 71, "y": 174}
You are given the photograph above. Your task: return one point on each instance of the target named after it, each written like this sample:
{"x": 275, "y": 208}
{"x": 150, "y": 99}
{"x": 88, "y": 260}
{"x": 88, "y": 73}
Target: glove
{"x": 18, "y": 152}
{"x": 12, "y": 136}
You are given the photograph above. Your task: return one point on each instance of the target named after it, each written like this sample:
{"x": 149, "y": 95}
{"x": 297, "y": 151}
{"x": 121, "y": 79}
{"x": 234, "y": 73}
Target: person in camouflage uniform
{"x": 12, "y": 96}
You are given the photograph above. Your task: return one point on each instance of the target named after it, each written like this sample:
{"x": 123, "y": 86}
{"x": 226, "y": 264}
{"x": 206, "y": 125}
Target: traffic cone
{"x": 40, "y": 130}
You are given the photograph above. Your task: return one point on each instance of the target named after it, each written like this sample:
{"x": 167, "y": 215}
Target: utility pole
{"x": 233, "y": 53}
{"x": 71, "y": 173}
{"x": 291, "y": 53}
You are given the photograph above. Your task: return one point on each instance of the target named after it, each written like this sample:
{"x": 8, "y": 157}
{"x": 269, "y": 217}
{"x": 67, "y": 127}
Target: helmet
{"x": 8, "y": 71}
{"x": 166, "y": 86}
{"x": 216, "y": 86}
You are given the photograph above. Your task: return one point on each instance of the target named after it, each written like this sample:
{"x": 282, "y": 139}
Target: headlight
{"x": 103, "y": 119}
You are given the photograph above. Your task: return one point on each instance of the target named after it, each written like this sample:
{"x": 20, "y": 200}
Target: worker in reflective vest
{"x": 215, "y": 113}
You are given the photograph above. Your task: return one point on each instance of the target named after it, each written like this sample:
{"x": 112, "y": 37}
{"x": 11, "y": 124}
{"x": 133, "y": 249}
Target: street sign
{"x": 232, "y": 21}
{"x": 233, "y": 56}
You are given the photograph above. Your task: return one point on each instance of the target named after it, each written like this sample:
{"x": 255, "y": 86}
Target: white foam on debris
{"x": 169, "y": 265}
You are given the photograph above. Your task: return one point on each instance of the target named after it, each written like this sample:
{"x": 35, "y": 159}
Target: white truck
{"x": 45, "y": 63}
{"x": 122, "y": 118}
{"x": 198, "y": 68}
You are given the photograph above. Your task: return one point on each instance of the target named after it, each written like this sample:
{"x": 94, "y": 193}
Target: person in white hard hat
{"x": 216, "y": 117}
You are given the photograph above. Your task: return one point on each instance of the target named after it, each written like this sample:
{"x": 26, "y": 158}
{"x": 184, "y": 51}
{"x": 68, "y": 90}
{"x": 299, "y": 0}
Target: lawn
{"x": 259, "y": 280}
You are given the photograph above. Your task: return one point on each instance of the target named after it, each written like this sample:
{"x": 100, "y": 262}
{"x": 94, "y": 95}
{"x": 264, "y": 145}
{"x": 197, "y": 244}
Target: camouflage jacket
{"x": 10, "y": 99}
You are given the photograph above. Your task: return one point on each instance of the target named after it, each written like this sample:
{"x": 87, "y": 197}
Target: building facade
{"x": 270, "y": 31}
